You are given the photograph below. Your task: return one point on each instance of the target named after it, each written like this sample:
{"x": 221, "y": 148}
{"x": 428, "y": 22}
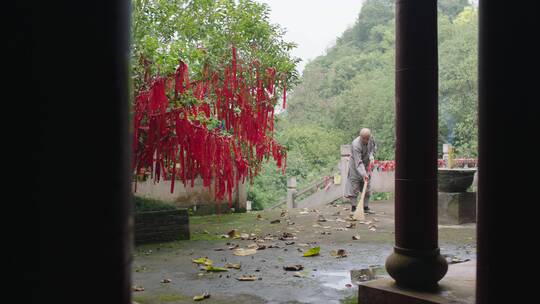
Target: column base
{"x": 419, "y": 270}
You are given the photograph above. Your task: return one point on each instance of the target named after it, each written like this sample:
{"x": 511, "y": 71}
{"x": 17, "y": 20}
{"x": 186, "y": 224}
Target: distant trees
{"x": 352, "y": 86}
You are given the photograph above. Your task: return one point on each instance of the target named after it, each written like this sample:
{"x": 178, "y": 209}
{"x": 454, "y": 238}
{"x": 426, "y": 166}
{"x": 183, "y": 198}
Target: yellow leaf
{"x": 230, "y": 265}
{"x": 203, "y": 261}
{"x": 201, "y": 297}
{"x": 244, "y": 252}
{"x": 247, "y": 278}
{"x": 312, "y": 252}
{"x": 214, "y": 269}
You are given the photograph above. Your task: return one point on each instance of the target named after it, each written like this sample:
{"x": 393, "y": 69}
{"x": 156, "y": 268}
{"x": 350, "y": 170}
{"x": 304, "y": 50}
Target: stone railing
{"x": 331, "y": 188}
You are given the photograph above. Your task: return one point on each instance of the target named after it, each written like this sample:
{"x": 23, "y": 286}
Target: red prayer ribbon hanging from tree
{"x": 219, "y": 127}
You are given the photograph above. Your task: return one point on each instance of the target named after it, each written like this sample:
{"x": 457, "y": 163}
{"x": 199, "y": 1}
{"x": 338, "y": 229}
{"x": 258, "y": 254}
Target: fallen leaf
{"x": 275, "y": 221}
{"x": 233, "y": 234}
{"x": 340, "y": 253}
{"x": 256, "y": 246}
{"x": 356, "y": 237}
{"x": 138, "y": 288}
{"x": 218, "y": 249}
{"x": 244, "y": 252}
{"x": 286, "y": 236}
{"x": 234, "y": 246}
{"x": 259, "y": 217}
{"x": 201, "y": 297}
{"x": 203, "y": 261}
{"x": 351, "y": 225}
{"x": 231, "y": 265}
{"x": 313, "y": 251}
{"x": 166, "y": 281}
{"x": 283, "y": 213}
{"x": 211, "y": 268}
{"x": 362, "y": 275}
{"x": 456, "y": 260}
{"x": 293, "y": 267}
{"x": 289, "y": 243}
{"x": 247, "y": 278}
{"x": 321, "y": 218}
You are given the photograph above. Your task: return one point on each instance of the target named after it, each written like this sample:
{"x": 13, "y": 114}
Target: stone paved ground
{"x": 324, "y": 278}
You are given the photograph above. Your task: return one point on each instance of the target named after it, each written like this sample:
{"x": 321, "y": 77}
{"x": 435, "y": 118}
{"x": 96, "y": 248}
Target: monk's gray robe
{"x": 358, "y": 164}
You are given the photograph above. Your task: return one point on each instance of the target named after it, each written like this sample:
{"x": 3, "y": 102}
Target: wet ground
{"x": 324, "y": 278}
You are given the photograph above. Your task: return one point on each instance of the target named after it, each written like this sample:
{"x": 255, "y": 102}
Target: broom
{"x": 359, "y": 213}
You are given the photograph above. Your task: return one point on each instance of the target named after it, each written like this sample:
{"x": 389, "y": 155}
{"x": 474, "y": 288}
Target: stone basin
{"x": 455, "y": 179}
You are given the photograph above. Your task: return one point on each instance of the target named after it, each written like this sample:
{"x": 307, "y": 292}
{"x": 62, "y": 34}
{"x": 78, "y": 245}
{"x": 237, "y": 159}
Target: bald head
{"x": 365, "y": 135}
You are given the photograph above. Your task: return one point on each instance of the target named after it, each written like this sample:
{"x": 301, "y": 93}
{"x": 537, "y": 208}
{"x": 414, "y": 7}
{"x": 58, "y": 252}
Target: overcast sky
{"x": 313, "y": 24}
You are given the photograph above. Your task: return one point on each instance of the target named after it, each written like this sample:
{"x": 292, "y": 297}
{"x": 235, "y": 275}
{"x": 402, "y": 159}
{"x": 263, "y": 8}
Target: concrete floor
{"x": 324, "y": 279}
{"x": 457, "y": 287}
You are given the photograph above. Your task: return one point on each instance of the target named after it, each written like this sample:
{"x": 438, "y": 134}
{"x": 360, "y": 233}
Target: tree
{"x": 202, "y": 32}
{"x": 207, "y": 76}
{"x": 352, "y": 86}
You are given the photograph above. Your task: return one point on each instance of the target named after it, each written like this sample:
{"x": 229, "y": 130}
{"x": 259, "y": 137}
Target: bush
{"x": 381, "y": 196}
{"x": 145, "y": 205}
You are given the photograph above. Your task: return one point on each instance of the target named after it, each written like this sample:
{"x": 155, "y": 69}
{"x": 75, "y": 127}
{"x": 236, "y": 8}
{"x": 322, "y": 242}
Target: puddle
{"x": 334, "y": 279}
{"x": 339, "y": 279}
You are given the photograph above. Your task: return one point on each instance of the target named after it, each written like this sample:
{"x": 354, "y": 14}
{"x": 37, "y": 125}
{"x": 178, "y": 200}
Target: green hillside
{"x": 352, "y": 86}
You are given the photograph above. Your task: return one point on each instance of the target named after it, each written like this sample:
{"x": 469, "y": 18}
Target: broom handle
{"x": 363, "y": 193}
{"x": 366, "y": 181}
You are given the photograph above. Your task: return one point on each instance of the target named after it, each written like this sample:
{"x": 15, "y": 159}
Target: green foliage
{"x": 311, "y": 154}
{"x": 352, "y": 86}
{"x": 202, "y": 32}
{"x": 146, "y": 205}
{"x": 458, "y": 86}
{"x": 381, "y": 196}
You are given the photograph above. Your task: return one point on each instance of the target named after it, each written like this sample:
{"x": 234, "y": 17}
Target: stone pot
{"x": 455, "y": 180}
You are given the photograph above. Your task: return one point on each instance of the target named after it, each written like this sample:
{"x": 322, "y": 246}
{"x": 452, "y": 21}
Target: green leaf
{"x": 211, "y": 268}
{"x": 312, "y": 252}
{"x": 203, "y": 261}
